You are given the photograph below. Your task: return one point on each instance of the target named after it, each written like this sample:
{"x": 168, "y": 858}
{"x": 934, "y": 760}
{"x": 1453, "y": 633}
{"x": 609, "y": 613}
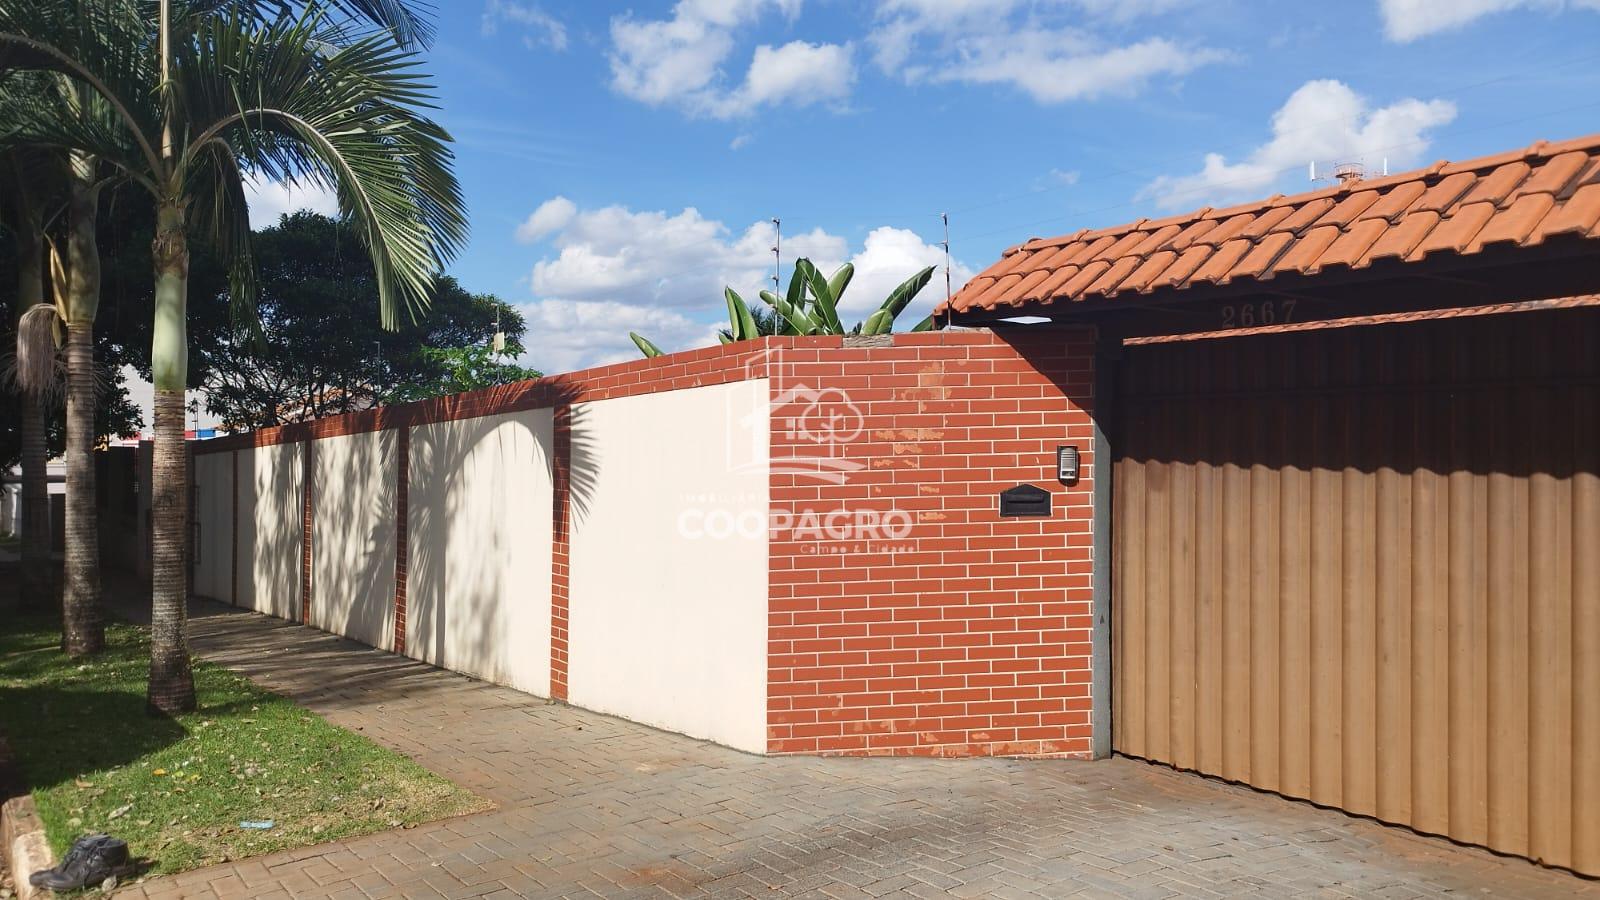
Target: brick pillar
{"x": 561, "y": 509}
{"x": 233, "y": 596}
{"x": 401, "y": 542}
{"x": 308, "y": 466}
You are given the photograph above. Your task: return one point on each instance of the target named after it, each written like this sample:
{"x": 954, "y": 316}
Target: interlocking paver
{"x": 588, "y": 805}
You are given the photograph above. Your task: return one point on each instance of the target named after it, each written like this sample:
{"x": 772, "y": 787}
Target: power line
{"x": 1145, "y": 171}
{"x": 1213, "y": 187}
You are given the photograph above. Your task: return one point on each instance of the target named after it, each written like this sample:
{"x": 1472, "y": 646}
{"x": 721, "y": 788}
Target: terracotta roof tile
{"x": 1192, "y": 233}
{"x": 1025, "y": 289}
{"x": 1157, "y": 240}
{"x": 1266, "y": 222}
{"x": 1258, "y": 262}
{"x": 1589, "y": 175}
{"x": 1057, "y": 280}
{"x": 1395, "y": 203}
{"x": 1444, "y": 194}
{"x": 1576, "y": 216}
{"x": 1348, "y": 209}
{"x": 1107, "y": 283}
{"x": 1182, "y": 269}
{"x": 1301, "y": 217}
{"x": 1554, "y": 175}
{"x": 1304, "y": 254}
{"x": 1149, "y": 270}
{"x": 1518, "y": 221}
{"x": 1497, "y": 185}
{"x": 1216, "y": 268}
{"x": 1352, "y": 245}
{"x": 1518, "y": 198}
{"x": 1230, "y": 228}
{"x": 1400, "y": 240}
{"x": 1456, "y": 233}
{"x": 1085, "y": 277}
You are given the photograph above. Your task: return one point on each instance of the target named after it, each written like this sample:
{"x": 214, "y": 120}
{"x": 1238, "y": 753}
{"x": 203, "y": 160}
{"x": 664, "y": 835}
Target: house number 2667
{"x": 1249, "y": 315}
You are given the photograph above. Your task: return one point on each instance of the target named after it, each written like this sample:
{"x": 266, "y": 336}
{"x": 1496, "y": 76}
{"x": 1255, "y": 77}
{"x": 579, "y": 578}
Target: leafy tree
{"x": 463, "y": 369}
{"x": 318, "y": 352}
{"x": 217, "y": 90}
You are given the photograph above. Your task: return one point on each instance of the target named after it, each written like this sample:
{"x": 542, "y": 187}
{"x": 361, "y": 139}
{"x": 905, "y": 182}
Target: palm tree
{"x": 23, "y": 174}
{"x": 75, "y": 275}
{"x": 293, "y": 97}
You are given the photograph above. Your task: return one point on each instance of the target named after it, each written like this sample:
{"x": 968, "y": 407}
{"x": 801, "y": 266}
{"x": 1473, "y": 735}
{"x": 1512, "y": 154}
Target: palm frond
{"x": 36, "y": 368}
{"x": 351, "y": 121}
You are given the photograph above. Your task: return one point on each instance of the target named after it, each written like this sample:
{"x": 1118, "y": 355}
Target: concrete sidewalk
{"x": 591, "y": 805}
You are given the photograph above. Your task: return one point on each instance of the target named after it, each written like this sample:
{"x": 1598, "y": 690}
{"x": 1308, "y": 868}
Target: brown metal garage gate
{"x": 1362, "y": 566}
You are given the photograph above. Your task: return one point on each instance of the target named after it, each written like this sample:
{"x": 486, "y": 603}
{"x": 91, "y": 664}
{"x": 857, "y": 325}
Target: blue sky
{"x": 622, "y": 163}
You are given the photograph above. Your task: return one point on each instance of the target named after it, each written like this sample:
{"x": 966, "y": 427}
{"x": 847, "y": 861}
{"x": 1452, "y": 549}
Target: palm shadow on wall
{"x": 463, "y": 542}
{"x": 267, "y": 508}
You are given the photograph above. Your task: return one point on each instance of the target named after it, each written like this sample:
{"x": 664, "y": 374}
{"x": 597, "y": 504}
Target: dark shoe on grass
{"x": 92, "y": 859}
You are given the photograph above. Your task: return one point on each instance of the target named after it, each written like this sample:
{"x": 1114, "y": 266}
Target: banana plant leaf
{"x": 649, "y": 350}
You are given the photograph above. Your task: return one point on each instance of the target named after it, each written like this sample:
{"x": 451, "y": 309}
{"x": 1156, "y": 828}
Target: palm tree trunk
{"x": 83, "y": 628}
{"x": 37, "y": 571}
{"x": 82, "y": 621}
{"x": 171, "y": 687}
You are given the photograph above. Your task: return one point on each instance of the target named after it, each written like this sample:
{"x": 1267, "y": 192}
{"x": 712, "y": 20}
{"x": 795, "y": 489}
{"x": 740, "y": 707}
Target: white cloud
{"x": 565, "y": 335}
{"x": 551, "y": 216}
{"x": 680, "y": 61}
{"x": 271, "y": 200}
{"x": 1053, "y": 50}
{"x": 1061, "y": 178}
{"x": 797, "y": 73}
{"x": 890, "y": 256}
{"x": 1324, "y": 121}
{"x": 680, "y": 260}
{"x": 538, "y": 27}
{"x": 1407, "y": 20}
{"x": 661, "y": 274}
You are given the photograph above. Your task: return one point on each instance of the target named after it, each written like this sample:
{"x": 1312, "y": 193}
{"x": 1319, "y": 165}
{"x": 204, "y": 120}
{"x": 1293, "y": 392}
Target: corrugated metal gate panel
{"x": 1362, "y": 566}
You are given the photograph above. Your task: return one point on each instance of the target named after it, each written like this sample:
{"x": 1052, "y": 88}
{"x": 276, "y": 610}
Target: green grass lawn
{"x": 177, "y": 789}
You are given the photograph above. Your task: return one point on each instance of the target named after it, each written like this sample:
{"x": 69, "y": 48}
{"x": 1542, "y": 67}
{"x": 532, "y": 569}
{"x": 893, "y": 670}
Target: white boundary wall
{"x": 271, "y": 530}
{"x": 479, "y": 547}
{"x": 668, "y": 625}
{"x": 353, "y": 537}
{"x": 213, "y": 479}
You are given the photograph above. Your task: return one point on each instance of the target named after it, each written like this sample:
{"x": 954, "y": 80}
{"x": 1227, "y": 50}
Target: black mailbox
{"x": 1024, "y": 500}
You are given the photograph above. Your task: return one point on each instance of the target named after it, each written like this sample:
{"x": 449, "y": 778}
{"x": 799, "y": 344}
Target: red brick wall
{"x": 560, "y": 551}
{"x": 947, "y": 630}
{"x": 951, "y": 631}
{"x": 402, "y": 532}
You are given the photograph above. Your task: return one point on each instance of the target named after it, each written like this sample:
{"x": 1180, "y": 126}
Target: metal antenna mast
{"x": 945, "y": 217}
{"x": 777, "y": 254}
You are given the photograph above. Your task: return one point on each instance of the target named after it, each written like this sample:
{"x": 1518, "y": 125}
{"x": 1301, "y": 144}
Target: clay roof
{"x": 1520, "y": 198}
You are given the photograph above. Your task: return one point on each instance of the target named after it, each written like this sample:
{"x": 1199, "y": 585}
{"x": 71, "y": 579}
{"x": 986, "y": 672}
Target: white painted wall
{"x": 271, "y": 491}
{"x": 213, "y": 573}
{"x": 668, "y": 626}
{"x": 353, "y": 537}
{"x": 478, "y": 524}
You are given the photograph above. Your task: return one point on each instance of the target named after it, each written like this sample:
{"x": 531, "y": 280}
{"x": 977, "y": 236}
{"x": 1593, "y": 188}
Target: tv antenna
{"x": 1345, "y": 172}
{"x": 945, "y": 217}
{"x": 777, "y": 253}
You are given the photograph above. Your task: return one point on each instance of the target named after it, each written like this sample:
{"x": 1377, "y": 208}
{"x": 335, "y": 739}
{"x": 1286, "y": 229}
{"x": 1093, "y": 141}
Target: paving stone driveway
{"x": 590, "y": 805}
